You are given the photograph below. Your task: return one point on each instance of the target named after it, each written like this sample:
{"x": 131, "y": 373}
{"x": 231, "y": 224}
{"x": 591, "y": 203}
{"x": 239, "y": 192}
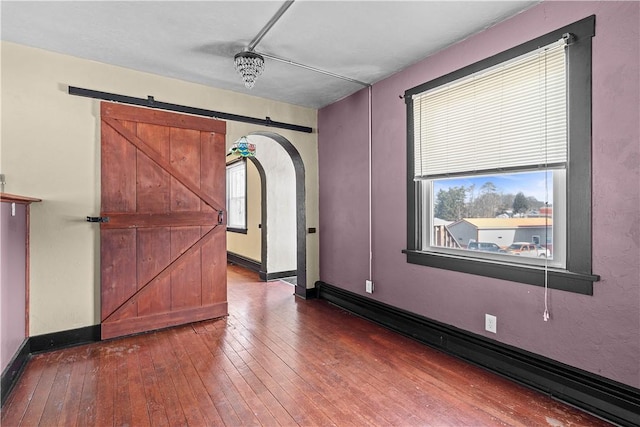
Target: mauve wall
{"x": 599, "y": 333}
{"x": 13, "y": 235}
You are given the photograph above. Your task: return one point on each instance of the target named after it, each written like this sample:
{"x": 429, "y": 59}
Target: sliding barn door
{"x": 163, "y": 249}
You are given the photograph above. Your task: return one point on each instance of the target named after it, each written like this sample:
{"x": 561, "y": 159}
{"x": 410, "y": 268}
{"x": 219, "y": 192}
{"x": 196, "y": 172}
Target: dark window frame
{"x": 577, "y": 276}
{"x": 233, "y": 229}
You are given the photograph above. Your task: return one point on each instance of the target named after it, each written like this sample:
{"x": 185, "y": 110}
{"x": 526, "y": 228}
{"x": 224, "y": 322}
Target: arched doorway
{"x": 274, "y": 181}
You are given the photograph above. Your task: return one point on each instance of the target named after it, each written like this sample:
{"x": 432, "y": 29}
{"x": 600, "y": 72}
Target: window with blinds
{"x": 510, "y": 116}
{"x": 499, "y": 164}
{"x": 490, "y": 150}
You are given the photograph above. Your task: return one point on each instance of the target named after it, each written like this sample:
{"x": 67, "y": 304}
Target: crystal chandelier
{"x": 250, "y": 65}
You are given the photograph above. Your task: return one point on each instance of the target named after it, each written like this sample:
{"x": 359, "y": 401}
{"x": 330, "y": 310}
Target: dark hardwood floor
{"x": 275, "y": 360}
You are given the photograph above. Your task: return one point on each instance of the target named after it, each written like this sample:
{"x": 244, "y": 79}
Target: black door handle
{"x": 97, "y": 219}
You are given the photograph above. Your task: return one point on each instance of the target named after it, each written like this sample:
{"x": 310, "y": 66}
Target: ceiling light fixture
{"x": 242, "y": 147}
{"x": 250, "y": 65}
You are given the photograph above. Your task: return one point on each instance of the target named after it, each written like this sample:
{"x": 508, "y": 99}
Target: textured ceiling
{"x": 196, "y": 41}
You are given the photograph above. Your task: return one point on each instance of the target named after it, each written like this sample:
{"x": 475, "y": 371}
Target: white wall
{"x": 281, "y": 204}
{"x": 50, "y": 150}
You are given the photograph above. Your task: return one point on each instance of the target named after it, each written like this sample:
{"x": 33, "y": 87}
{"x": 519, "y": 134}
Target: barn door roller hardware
{"x": 150, "y": 102}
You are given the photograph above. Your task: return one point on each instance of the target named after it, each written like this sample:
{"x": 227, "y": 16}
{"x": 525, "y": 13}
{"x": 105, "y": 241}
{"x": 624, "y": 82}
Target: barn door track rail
{"x": 150, "y": 102}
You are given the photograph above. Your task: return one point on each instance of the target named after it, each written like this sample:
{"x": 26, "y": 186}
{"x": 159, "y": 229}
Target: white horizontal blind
{"x": 512, "y": 115}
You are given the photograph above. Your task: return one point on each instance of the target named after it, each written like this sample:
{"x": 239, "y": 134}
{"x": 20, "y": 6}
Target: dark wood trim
{"x": 605, "y": 398}
{"x": 579, "y": 130}
{"x": 301, "y": 209}
{"x": 312, "y": 293}
{"x": 583, "y": 29}
{"x": 13, "y": 370}
{"x": 42, "y": 343}
{"x": 578, "y": 276}
{"x": 242, "y": 261}
{"x": 63, "y": 339}
{"x": 263, "y": 214}
{"x": 278, "y": 275}
{"x": 301, "y": 218}
{"x": 564, "y": 280}
{"x": 237, "y": 230}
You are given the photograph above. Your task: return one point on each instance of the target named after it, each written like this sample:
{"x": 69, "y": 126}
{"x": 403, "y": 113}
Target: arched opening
{"x": 283, "y": 211}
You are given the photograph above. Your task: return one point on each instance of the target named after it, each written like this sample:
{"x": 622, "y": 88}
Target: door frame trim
{"x": 301, "y": 210}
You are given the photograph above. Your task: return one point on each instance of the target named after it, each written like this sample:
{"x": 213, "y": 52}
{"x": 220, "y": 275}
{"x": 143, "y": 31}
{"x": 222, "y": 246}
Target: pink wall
{"x": 599, "y": 333}
{"x": 13, "y": 233}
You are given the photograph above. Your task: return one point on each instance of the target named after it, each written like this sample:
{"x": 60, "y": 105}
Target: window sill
{"x": 564, "y": 280}
{"x": 237, "y": 230}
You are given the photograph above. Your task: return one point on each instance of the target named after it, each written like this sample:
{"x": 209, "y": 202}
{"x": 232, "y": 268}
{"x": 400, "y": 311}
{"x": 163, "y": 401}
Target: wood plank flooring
{"x": 275, "y": 360}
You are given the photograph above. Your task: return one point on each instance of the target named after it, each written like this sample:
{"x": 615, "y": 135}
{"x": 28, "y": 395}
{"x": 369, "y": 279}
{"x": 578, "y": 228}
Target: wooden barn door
{"x": 163, "y": 250}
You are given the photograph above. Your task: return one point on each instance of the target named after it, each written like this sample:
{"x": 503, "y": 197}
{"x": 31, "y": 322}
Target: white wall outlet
{"x": 369, "y": 286}
{"x": 491, "y": 323}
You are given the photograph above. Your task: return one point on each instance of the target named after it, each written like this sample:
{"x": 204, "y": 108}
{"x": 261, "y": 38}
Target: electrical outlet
{"x": 491, "y": 323}
{"x": 369, "y": 286}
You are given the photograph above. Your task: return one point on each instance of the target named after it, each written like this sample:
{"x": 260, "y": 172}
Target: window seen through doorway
{"x": 237, "y": 196}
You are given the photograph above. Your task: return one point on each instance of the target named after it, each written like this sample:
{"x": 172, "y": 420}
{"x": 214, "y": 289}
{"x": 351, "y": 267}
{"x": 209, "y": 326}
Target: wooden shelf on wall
{"x": 6, "y": 197}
